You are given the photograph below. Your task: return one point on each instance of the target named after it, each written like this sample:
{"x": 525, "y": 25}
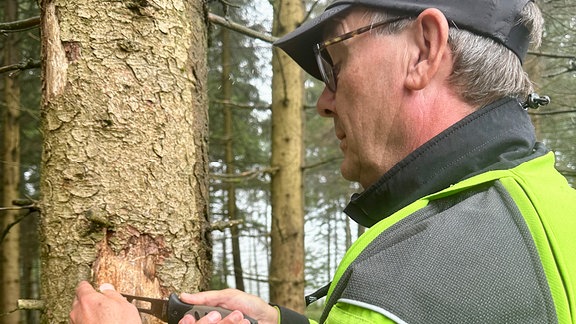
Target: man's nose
{"x": 325, "y": 104}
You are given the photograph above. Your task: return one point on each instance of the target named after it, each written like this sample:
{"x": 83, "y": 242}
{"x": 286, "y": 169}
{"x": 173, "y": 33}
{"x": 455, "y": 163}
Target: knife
{"x": 172, "y": 310}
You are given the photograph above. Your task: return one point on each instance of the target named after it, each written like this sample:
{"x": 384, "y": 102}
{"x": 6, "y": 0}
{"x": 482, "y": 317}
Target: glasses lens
{"x": 325, "y": 67}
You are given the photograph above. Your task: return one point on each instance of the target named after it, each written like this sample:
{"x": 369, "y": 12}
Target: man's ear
{"x": 430, "y": 45}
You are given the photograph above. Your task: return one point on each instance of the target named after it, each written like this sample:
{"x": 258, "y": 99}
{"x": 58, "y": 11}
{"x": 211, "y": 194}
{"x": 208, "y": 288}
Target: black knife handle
{"x": 177, "y": 309}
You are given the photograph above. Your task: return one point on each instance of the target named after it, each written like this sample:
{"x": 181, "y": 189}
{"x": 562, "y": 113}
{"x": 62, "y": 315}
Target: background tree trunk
{"x": 124, "y": 163}
{"x": 229, "y": 157}
{"x": 287, "y": 230}
{"x": 10, "y": 162}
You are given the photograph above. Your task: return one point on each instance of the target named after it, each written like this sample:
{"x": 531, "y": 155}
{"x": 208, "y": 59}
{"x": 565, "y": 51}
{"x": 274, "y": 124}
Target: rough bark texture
{"x": 287, "y": 232}
{"x": 124, "y": 161}
{"x": 10, "y": 168}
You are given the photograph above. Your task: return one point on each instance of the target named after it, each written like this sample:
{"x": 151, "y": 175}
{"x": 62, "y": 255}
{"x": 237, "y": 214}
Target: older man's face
{"x": 374, "y": 129}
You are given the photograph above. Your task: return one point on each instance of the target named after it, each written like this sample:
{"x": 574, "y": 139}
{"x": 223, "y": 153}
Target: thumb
{"x": 106, "y": 286}
{"x": 109, "y": 291}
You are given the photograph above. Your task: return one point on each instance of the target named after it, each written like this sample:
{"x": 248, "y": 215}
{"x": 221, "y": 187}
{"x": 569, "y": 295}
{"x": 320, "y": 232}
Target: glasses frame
{"x": 325, "y": 62}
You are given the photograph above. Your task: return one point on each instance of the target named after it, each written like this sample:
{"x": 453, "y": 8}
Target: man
{"x": 469, "y": 221}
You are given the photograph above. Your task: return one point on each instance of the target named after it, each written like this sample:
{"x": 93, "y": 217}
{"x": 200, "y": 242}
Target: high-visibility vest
{"x": 508, "y": 255}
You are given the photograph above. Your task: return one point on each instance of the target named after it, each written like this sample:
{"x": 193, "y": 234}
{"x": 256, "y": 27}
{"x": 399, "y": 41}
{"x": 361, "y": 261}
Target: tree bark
{"x": 124, "y": 166}
{"x": 287, "y": 229}
{"x": 10, "y": 162}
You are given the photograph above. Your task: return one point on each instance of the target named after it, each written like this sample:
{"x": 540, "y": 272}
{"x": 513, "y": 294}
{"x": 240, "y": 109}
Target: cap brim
{"x": 496, "y": 19}
{"x": 299, "y": 44}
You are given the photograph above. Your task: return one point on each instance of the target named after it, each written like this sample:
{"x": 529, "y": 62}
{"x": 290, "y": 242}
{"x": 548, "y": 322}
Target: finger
{"x": 198, "y": 298}
{"x": 210, "y": 318}
{"x": 109, "y": 291}
{"x": 106, "y": 286}
{"x": 234, "y": 300}
{"x": 187, "y": 319}
{"x": 233, "y": 318}
{"x": 75, "y": 302}
{"x": 210, "y": 298}
{"x": 84, "y": 288}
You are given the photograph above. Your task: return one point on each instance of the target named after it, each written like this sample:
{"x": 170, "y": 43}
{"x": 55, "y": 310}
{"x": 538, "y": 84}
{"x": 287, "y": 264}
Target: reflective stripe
{"x": 373, "y": 308}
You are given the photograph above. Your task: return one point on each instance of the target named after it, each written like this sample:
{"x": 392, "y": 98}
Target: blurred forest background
{"x": 240, "y": 143}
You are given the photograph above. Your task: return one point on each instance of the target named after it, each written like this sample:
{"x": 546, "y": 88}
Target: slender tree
{"x": 124, "y": 166}
{"x": 10, "y": 158}
{"x": 30, "y": 151}
{"x": 229, "y": 157}
{"x": 287, "y": 230}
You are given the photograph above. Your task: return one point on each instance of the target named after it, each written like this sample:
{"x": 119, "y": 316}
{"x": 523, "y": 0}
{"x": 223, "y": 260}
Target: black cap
{"x": 496, "y": 19}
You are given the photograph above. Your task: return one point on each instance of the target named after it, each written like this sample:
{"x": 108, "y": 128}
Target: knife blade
{"x": 172, "y": 310}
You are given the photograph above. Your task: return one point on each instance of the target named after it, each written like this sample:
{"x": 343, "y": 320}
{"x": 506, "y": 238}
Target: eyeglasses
{"x": 329, "y": 76}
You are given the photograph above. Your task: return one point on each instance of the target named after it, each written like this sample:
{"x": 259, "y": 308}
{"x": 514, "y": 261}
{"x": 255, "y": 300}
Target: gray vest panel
{"x": 467, "y": 258}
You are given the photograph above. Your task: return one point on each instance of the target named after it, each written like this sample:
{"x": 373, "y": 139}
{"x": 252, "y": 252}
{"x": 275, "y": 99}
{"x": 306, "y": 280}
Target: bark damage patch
{"x": 54, "y": 56}
{"x": 132, "y": 270}
{"x": 72, "y": 50}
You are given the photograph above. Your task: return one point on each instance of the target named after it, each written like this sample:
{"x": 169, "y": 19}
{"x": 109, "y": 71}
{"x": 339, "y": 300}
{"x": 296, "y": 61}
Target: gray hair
{"x": 484, "y": 70}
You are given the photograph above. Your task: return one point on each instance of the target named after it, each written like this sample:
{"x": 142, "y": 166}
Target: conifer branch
{"x": 20, "y": 204}
{"x": 20, "y": 25}
{"x": 222, "y": 225}
{"x": 225, "y": 22}
{"x": 552, "y": 55}
{"x": 24, "y": 65}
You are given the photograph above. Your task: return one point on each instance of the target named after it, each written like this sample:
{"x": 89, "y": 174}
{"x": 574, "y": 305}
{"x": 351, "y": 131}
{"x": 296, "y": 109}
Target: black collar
{"x": 497, "y": 136}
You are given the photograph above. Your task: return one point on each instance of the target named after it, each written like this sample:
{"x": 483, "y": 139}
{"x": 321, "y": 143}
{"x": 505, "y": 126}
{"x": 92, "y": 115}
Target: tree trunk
{"x": 124, "y": 166}
{"x": 9, "y": 246}
{"x": 10, "y": 162}
{"x": 287, "y": 230}
{"x": 229, "y": 158}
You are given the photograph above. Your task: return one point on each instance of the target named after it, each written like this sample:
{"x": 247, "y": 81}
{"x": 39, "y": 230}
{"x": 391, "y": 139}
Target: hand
{"x": 231, "y": 299}
{"x": 107, "y": 306}
{"x": 236, "y": 317}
